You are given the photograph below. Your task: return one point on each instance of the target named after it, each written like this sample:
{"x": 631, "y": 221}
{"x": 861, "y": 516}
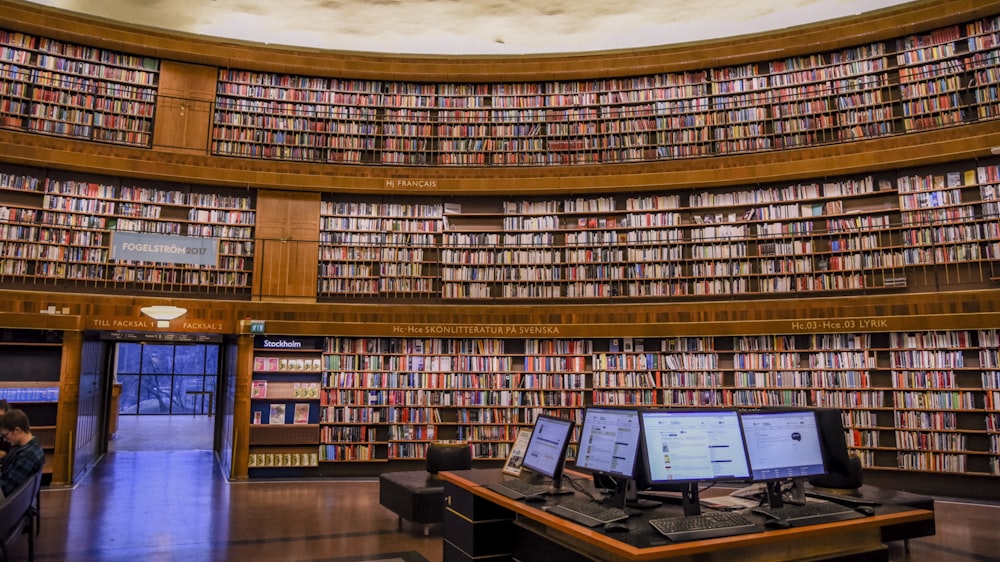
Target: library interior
{"x": 715, "y": 297}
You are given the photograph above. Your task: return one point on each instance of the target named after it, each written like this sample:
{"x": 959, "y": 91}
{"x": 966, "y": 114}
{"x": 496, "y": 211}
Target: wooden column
{"x": 241, "y": 407}
{"x": 69, "y": 406}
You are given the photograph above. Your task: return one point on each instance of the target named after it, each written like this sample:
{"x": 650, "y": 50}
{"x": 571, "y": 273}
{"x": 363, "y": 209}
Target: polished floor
{"x": 158, "y": 495}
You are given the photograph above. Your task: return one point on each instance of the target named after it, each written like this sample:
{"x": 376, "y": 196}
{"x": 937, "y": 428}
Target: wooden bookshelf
{"x": 929, "y": 80}
{"x": 59, "y": 88}
{"x": 387, "y": 399}
{"x": 30, "y": 381}
{"x": 371, "y": 248}
{"x": 58, "y": 226}
{"x": 284, "y": 403}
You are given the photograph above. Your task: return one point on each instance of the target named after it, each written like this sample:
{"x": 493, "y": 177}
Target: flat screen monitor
{"x": 609, "y": 441}
{"x": 834, "y": 440}
{"x": 546, "y": 450}
{"x": 783, "y": 444}
{"x": 693, "y": 446}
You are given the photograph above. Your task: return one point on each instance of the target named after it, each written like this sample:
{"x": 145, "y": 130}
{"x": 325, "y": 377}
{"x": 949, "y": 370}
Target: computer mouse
{"x": 538, "y": 498}
{"x": 865, "y": 510}
{"x": 777, "y": 524}
{"x": 615, "y": 527}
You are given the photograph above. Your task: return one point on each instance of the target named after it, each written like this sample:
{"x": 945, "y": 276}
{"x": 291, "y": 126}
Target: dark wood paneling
{"x": 946, "y": 310}
{"x": 287, "y": 227}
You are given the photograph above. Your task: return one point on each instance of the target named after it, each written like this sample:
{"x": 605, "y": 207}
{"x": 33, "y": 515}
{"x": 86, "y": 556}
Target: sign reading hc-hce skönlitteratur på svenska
{"x": 164, "y": 248}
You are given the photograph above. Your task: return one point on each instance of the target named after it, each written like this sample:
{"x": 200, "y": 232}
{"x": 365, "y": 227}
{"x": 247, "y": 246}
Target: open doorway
{"x": 166, "y": 395}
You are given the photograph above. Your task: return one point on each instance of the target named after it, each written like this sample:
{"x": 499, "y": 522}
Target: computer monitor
{"x": 546, "y": 450}
{"x": 782, "y": 445}
{"x": 609, "y": 447}
{"x": 609, "y": 441}
{"x": 844, "y": 469}
{"x": 692, "y": 446}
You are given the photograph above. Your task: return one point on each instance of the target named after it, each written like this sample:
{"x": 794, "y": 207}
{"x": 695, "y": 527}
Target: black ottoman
{"x": 416, "y": 496}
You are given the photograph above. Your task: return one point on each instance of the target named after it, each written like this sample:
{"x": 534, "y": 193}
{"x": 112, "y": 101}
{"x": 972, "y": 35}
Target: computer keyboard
{"x": 517, "y": 489}
{"x": 812, "y": 513}
{"x": 590, "y": 514}
{"x": 705, "y": 526}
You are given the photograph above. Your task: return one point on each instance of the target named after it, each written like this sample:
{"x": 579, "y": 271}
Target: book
{"x": 257, "y": 417}
{"x": 301, "y": 413}
{"x": 277, "y": 414}
{"x": 258, "y": 389}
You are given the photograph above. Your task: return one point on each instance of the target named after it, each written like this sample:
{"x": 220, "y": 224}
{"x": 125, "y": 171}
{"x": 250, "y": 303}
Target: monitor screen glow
{"x": 609, "y": 441}
{"x": 690, "y": 446}
{"x": 546, "y": 450}
{"x": 783, "y": 444}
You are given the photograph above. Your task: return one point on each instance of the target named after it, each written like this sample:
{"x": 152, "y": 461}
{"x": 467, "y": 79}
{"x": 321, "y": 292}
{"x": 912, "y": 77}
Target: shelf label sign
{"x": 164, "y": 248}
{"x": 410, "y": 183}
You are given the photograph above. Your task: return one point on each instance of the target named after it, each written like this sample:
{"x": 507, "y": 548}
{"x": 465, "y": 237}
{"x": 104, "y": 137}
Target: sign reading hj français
{"x": 164, "y": 248}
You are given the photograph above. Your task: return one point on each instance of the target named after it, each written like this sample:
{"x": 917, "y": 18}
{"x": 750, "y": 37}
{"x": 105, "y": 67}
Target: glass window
{"x": 167, "y": 378}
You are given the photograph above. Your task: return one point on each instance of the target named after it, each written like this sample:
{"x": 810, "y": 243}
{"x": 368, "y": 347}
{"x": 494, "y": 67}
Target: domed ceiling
{"x": 472, "y": 27}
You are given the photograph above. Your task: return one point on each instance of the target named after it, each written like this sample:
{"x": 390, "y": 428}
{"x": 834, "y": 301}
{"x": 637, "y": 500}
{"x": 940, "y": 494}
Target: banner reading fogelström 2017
{"x": 164, "y": 248}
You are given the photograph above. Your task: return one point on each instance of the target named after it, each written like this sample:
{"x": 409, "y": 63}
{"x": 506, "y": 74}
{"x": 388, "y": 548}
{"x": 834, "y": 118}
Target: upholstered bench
{"x": 417, "y": 496}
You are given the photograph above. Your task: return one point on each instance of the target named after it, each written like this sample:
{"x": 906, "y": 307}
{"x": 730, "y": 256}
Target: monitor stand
{"x": 632, "y": 498}
{"x": 775, "y": 497}
{"x": 556, "y": 487}
{"x": 690, "y": 500}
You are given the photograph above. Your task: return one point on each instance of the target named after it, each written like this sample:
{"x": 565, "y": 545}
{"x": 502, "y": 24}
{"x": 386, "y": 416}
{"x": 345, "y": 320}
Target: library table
{"x": 482, "y": 524}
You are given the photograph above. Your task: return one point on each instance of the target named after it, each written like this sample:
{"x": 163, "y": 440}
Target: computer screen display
{"x": 609, "y": 441}
{"x": 783, "y": 444}
{"x": 690, "y": 446}
{"x": 546, "y": 450}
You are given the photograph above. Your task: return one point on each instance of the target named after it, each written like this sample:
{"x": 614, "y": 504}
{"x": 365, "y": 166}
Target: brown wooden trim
{"x": 39, "y": 321}
{"x": 919, "y": 311}
{"x": 945, "y": 145}
{"x": 876, "y": 26}
{"x": 68, "y": 409}
{"x": 241, "y": 409}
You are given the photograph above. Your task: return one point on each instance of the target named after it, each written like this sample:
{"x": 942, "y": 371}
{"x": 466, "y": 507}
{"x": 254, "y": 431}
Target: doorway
{"x": 167, "y": 397}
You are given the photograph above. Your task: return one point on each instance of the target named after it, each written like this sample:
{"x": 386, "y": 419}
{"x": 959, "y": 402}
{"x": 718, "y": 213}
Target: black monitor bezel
{"x": 557, "y": 472}
{"x": 637, "y": 453}
{"x": 785, "y": 410}
{"x": 646, "y": 458}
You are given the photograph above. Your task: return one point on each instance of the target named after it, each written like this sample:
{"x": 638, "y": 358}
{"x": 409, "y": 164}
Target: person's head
{"x": 14, "y": 427}
{"x": 4, "y": 406}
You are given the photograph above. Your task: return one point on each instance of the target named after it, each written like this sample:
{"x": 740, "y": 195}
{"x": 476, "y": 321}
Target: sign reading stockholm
{"x": 164, "y": 248}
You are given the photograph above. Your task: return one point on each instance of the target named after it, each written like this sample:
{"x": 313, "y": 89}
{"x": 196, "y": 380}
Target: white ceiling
{"x": 473, "y": 27}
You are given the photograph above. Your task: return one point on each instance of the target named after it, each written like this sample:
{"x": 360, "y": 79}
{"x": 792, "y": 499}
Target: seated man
{"x": 25, "y": 457}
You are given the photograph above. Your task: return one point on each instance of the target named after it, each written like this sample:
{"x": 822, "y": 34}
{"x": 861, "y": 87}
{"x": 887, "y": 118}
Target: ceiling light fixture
{"x": 163, "y": 314}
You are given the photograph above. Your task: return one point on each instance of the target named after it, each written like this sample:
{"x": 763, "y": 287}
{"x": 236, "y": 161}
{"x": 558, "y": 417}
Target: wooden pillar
{"x": 241, "y": 407}
{"x": 69, "y": 406}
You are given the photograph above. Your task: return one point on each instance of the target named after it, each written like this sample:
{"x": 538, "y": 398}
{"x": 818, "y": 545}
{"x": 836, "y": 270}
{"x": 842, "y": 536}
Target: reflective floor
{"x": 159, "y": 495}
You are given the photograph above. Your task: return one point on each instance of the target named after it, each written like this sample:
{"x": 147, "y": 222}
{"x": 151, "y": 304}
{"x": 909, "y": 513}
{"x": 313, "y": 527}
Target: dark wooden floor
{"x": 158, "y": 495}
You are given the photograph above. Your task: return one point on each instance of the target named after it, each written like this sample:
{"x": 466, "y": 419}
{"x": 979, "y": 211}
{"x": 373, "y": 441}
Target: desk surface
{"x": 642, "y": 542}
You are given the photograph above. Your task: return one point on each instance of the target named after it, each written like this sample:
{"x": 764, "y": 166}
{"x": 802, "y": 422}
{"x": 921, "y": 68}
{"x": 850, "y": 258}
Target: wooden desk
{"x": 481, "y": 524}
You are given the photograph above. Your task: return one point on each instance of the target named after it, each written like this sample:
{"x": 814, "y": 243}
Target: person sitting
{"x": 4, "y": 445}
{"x": 25, "y": 457}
